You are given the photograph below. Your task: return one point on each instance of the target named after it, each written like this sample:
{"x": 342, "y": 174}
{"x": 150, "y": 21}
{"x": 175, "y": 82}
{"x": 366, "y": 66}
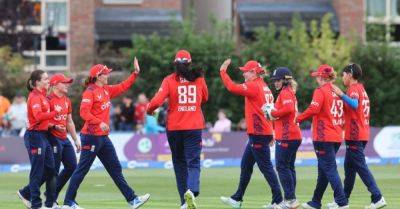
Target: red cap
{"x": 183, "y": 56}
{"x": 323, "y": 70}
{"x": 252, "y": 65}
{"x": 98, "y": 69}
{"x": 59, "y": 78}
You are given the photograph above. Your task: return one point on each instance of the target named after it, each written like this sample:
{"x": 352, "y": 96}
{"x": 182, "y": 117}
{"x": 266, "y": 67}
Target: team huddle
{"x": 336, "y": 116}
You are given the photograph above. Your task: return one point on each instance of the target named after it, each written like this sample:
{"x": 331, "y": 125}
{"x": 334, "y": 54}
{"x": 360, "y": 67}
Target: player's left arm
{"x": 118, "y": 89}
{"x": 205, "y": 91}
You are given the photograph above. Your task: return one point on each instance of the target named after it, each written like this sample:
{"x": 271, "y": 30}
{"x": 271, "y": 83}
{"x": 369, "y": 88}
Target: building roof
{"x": 119, "y": 24}
{"x": 253, "y": 15}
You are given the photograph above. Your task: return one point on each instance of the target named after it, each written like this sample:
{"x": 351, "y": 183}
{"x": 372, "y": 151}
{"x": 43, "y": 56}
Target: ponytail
{"x": 88, "y": 81}
{"x": 36, "y": 75}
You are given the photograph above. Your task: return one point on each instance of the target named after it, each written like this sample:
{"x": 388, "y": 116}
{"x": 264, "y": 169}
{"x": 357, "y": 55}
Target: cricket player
{"x": 287, "y": 132}
{"x": 259, "y": 129}
{"x": 326, "y": 110}
{"x": 356, "y": 110}
{"x": 186, "y": 91}
{"x": 95, "y": 110}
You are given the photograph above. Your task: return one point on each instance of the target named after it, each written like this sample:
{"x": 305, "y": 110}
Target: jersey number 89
{"x": 187, "y": 94}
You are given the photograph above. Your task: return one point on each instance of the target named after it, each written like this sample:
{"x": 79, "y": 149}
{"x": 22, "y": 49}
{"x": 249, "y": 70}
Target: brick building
{"x": 79, "y": 26}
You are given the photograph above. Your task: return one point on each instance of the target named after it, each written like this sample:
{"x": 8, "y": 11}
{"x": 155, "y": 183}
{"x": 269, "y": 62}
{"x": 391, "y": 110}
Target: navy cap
{"x": 281, "y": 73}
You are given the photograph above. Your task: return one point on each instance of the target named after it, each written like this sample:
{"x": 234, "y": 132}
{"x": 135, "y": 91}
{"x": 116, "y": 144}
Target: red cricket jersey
{"x": 357, "y": 120}
{"x": 60, "y": 119}
{"x": 39, "y": 113}
{"x": 285, "y": 112}
{"x": 327, "y": 111}
{"x": 184, "y": 102}
{"x": 256, "y": 94}
{"x": 95, "y": 105}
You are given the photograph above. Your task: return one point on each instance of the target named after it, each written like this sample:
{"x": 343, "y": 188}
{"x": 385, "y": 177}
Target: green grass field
{"x": 98, "y": 190}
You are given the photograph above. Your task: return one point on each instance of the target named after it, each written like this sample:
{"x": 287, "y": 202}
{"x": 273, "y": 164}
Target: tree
{"x": 12, "y": 75}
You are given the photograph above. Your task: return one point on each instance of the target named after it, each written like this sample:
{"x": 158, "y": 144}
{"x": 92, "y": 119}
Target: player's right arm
{"x": 240, "y": 89}
{"x": 86, "y": 107}
{"x": 35, "y": 104}
{"x": 314, "y": 108}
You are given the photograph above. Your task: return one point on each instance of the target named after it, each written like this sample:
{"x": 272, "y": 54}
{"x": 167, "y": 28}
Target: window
{"x": 51, "y": 41}
{"x": 56, "y": 14}
{"x": 383, "y": 20}
{"x": 122, "y": 1}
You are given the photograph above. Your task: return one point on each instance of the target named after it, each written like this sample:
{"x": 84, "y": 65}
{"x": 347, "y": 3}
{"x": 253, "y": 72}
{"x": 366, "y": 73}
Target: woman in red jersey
{"x": 95, "y": 111}
{"x": 260, "y": 131}
{"x": 287, "y": 132}
{"x": 186, "y": 91}
{"x": 36, "y": 138}
{"x": 62, "y": 148}
{"x": 356, "y": 129}
{"x": 326, "y": 109}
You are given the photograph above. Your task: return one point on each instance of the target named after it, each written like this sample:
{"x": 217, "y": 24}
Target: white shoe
{"x": 292, "y": 204}
{"x": 190, "y": 200}
{"x": 332, "y": 205}
{"x": 56, "y": 206}
{"x": 273, "y": 206}
{"x": 139, "y": 201}
{"x": 26, "y": 202}
{"x": 184, "y": 206}
{"x": 74, "y": 206}
{"x": 231, "y": 202}
{"x": 338, "y": 207}
{"x": 380, "y": 204}
{"x": 307, "y": 206}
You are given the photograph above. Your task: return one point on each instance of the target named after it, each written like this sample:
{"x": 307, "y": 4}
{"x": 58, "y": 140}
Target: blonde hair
{"x": 293, "y": 83}
{"x": 331, "y": 77}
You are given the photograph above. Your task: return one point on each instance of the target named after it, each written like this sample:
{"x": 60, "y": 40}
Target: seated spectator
{"x": 17, "y": 115}
{"x": 140, "y": 108}
{"x": 223, "y": 124}
{"x": 241, "y": 126}
{"x": 151, "y": 126}
{"x": 127, "y": 114}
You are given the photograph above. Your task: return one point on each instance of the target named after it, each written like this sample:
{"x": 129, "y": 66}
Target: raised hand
{"x": 136, "y": 66}
{"x": 225, "y": 65}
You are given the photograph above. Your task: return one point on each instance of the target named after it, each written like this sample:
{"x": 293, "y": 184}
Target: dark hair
{"x": 36, "y": 75}
{"x": 354, "y": 69}
{"x": 183, "y": 69}
{"x": 89, "y": 80}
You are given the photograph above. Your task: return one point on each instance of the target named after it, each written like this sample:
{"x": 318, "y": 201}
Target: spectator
{"x": 17, "y": 115}
{"x": 241, "y": 126}
{"x": 162, "y": 115}
{"x": 127, "y": 114}
{"x": 117, "y": 118}
{"x": 140, "y": 108}
{"x": 223, "y": 124}
{"x": 4, "y": 106}
{"x": 151, "y": 126}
